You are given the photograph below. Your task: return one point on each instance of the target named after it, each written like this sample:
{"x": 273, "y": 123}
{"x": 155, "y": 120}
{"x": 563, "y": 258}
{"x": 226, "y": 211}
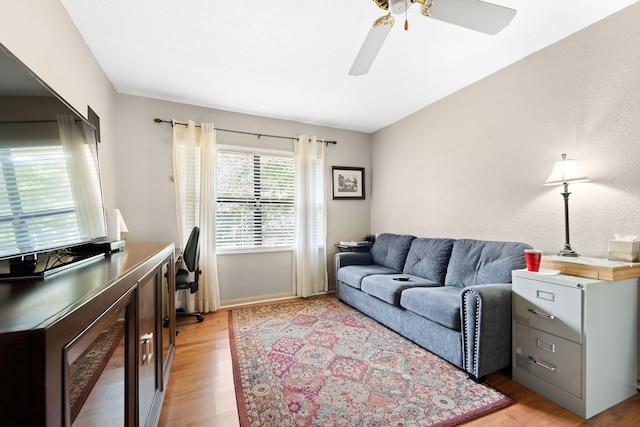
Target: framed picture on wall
{"x": 348, "y": 183}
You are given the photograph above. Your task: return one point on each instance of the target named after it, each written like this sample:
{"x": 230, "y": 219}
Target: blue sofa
{"x": 452, "y": 297}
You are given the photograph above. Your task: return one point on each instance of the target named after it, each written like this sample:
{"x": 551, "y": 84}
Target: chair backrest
{"x": 191, "y": 254}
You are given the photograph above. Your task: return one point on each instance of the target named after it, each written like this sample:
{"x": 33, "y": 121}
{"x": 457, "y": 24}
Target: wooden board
{"x": 593, "y": 268}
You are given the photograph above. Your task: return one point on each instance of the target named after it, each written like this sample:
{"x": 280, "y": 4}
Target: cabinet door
{"x": 94, "y": 369}
{"x": 148, "y": 359}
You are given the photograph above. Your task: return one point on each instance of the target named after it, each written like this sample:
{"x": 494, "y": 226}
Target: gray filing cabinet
{"x": 575, "y": 339}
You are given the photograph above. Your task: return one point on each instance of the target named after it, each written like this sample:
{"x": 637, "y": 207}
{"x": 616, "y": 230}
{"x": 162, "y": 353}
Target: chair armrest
{"x": 486, "y": 328}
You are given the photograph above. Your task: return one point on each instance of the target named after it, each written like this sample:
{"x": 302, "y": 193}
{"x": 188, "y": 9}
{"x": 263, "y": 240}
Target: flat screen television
{"x": 51, "y": 201}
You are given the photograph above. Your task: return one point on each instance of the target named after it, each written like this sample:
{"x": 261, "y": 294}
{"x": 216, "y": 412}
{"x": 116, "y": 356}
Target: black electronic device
{"x": 51, "y": 174}
{"x": 100, "y": 246}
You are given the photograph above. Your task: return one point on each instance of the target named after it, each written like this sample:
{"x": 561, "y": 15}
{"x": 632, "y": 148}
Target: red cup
{"x": 532, "y": 257}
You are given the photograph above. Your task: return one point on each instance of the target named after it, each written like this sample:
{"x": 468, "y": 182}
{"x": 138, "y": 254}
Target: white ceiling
{"x": 290, "y": 59}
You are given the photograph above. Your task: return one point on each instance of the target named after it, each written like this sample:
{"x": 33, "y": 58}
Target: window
{"x": 255, "y": 200}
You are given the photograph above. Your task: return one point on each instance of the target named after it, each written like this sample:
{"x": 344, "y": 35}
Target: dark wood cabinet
{"x": 95, "y": 325}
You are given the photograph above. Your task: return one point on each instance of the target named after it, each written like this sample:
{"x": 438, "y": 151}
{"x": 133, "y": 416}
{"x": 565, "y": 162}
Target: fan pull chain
{"x": 406, "y": 21}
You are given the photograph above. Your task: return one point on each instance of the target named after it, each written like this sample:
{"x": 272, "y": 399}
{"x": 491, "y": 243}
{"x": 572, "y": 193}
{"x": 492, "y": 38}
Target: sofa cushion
{"x": 428, "y": 258}
{"x": 479, "y": 262}
{"x": 391, "y": 250}
{"x": 386, "y": 288}
{"x": 440, "y": 304}
{"x": 352, "y": 275}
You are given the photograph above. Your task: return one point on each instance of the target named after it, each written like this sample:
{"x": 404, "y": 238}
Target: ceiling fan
{"x": 476, "y": 15}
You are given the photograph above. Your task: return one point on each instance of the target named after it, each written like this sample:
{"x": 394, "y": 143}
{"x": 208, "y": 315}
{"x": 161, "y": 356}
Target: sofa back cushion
{"x": 428, "y": 258}
{"x": 391, "y": 250}
{"x": 479, "y": 262}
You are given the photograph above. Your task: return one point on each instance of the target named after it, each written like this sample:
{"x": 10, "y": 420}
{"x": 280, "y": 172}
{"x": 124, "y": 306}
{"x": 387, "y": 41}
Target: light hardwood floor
{"x": 201, "y": 390}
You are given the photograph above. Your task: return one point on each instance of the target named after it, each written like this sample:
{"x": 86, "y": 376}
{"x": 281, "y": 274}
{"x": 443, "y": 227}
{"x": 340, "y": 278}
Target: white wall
{"x": 473, "y": 164}
{"x": 145, "y": 191}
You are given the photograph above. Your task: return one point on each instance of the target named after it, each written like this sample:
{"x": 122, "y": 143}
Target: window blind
{"x": 255, "y": 200}
{"x": 36, "y": 202}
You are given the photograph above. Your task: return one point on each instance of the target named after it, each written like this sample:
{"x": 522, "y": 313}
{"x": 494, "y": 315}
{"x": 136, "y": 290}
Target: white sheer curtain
{"x": 87, "y": 193}
{"x": 194, "y": 163}
{"x": 310, "y": 264}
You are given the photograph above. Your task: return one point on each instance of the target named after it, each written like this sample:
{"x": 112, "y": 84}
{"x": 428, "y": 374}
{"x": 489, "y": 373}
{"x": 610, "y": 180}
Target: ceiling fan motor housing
{"x": 399, "y": 6}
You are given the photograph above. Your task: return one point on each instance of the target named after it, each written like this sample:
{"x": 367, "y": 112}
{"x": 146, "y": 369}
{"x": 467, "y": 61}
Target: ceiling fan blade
{"x": 371, "y": 46}
{"x": 476, "y": 15}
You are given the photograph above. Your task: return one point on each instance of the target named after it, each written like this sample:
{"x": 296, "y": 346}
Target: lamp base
{"x": 568, "y": 251}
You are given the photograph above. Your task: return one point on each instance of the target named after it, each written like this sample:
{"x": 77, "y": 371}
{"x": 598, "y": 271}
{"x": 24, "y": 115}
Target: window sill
{"x": 240, "y": 251}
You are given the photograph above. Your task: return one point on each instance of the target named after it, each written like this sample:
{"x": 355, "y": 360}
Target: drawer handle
{"x": 147, "y": 348}
{"x": 545, "y": 315}
{"x": 544, "y": 365}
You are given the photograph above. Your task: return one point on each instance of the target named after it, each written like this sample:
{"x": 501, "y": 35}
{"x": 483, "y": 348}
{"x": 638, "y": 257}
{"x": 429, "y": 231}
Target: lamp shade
{"x": 115, "y": 224}
{"x": 565, "y": 171}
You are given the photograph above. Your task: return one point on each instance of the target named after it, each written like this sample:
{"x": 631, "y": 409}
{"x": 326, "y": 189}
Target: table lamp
{"x": 564, "y": 172}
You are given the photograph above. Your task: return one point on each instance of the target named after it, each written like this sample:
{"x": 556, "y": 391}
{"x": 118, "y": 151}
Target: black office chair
{"x": 191, "y": 258}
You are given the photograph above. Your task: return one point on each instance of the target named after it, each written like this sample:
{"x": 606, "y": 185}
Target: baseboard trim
{"x": 264, "y": 299}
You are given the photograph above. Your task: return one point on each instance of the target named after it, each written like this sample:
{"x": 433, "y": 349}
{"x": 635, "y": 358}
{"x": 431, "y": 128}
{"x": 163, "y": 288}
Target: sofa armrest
{"x": 486, "y": 328}
{"x": 343, "y": 259}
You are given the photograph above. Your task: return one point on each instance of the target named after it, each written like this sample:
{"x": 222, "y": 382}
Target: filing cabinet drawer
{"x": 550, "y": 358}
{"x": 550, "y": 307}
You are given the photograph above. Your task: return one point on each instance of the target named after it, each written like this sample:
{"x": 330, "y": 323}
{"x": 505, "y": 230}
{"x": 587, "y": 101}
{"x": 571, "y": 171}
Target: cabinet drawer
{"x": 550, "y": 358}
{"x": 549, "y": 307}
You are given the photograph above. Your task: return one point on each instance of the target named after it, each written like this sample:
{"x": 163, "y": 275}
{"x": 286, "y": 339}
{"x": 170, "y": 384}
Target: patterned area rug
{"x": 320, "y": 362}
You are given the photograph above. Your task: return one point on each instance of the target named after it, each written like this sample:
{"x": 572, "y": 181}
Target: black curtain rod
{"x": 157, "y": 120}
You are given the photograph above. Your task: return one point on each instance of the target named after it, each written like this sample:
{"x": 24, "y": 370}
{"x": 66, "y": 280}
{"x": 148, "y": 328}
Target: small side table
{"x": 593, "y": 268}
{"x": 353, "y": 248}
